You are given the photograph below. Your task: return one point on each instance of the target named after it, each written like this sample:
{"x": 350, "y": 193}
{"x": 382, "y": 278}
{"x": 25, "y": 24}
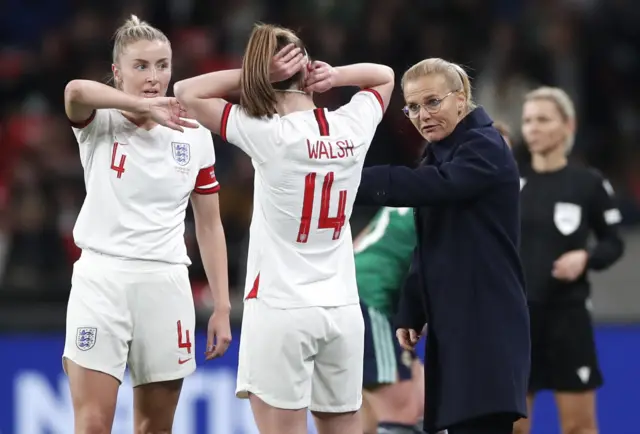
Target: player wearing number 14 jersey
{"x": 302, "y": 332}
{"x": 130, "y": 301}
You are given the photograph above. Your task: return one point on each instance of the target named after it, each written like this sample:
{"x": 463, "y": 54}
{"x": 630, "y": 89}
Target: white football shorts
{"x": 302, "y": 358}
{"x": 130, "y": 312}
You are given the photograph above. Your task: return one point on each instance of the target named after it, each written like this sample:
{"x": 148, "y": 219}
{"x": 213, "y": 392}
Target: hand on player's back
{"x": 167, "y": 111}
{"x": 321, "y": 77}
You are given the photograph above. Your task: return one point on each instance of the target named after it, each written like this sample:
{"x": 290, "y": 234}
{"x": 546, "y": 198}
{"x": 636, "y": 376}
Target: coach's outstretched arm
{"x": 83, "y": 97}
{"x": 478, "y": 164}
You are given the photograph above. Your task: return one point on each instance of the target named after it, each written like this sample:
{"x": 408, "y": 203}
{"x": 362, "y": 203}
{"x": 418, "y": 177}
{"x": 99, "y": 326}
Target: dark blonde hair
{"x": 456, "y": 76}
{"x": 257, "y": 93}
{"x": 134, "y": 30}
{"x": 561, "y": 100}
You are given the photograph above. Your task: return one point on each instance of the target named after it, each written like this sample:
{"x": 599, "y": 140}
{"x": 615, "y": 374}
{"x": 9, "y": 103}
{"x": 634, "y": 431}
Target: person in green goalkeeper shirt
{"x": 393, "y": 394}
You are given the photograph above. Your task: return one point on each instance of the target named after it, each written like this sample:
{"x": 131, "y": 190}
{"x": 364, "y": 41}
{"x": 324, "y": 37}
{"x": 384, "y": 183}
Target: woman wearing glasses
{"x": 466, "y": 275}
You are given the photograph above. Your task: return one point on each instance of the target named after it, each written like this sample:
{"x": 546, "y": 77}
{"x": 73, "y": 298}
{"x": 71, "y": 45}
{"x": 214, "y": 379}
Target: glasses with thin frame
{"x": 433, "y": 106}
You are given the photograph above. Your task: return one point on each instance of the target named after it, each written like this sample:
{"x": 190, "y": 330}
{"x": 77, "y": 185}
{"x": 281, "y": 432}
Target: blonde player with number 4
{"x": 130, "y": 301}
{"x": 302, "y": 332}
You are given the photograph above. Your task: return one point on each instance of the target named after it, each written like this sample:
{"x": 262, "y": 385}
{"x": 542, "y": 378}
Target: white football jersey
{"x": 308, "y": 166}
{"x": 138, "y": 186}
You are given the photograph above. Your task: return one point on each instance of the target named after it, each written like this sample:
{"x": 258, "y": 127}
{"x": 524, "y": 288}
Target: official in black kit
{"x": 562, "y": 205}
{"x": 466, "y": 274}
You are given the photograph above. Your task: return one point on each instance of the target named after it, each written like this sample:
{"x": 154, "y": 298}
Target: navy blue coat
{"x": 466, "y": 277}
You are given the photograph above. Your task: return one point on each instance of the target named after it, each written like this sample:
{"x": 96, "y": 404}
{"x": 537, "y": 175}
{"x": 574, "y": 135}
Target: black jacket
{"x": 468, "y": 272}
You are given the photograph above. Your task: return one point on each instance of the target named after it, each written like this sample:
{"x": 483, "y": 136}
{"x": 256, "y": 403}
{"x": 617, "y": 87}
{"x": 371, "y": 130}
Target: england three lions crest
{"x": 181, "y": 153}
{"x": 86, "y": 338}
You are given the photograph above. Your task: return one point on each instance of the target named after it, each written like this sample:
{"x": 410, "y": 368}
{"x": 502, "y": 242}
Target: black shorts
{"x": 385, "y": 362}
{"x": 563, "y": 351}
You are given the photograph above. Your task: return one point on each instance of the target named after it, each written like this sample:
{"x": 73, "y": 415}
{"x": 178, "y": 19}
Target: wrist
{"x": 143, "y": 107}
{"x": 222, "y": 309}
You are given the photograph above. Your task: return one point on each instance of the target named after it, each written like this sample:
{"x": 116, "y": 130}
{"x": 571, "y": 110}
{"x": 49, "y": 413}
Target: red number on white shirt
{"x": 120, "y": 167}
{"x": 184, "y": 341}
{"x": 324, "y": 222}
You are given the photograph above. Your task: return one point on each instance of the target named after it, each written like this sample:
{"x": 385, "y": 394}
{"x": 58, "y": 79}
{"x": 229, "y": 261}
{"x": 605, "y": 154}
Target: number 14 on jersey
{"x": 324, "y": 221}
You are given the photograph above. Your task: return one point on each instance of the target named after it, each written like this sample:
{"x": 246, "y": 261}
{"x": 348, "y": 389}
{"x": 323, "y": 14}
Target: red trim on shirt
{"x": 377, "y": 95}
{"x": 85, "y": 123}
{"x": 321, "y": 118}
{"x": 225, "y": 121}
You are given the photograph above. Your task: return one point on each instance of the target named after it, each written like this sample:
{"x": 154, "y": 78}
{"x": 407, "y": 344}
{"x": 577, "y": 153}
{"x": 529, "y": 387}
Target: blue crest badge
{"x": 86, "y": 338}
{"x": 181, "y": 153}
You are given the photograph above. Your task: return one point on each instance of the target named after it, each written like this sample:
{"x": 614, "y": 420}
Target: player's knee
{"x": 398, "y": 403}
{"x": 149, "y": 425}
{"x": 91, "y": 421}
{"x": 581, "y": 424}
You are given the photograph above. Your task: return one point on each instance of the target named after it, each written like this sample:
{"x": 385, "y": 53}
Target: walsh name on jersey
{"x": 320, "y": 149}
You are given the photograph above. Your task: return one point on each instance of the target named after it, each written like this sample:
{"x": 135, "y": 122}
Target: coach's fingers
{"x": 414, "y": 337}
{"x": 403, "y": 339}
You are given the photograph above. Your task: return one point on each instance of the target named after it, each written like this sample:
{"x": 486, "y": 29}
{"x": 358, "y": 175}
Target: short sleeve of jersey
{"x": 365, "y": 110}
{"x": 257, "y": 137}
{"x": 89, "y": 131}
{"x": 206, "y": 181}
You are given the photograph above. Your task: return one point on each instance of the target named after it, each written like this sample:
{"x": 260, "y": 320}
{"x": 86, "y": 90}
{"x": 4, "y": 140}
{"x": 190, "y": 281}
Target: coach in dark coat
{"x": 466, "y": 277}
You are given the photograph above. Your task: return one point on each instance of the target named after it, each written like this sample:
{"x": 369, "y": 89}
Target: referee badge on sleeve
{"x": 567, "y": 217}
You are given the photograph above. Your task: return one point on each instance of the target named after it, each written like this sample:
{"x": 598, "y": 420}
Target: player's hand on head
{"x": 286, "y": 63}
{"x": 321, "y": 77}
{"x": 167, "y": 111}
{"x": 218, "y": 335}
{"x": 408, "y": 338}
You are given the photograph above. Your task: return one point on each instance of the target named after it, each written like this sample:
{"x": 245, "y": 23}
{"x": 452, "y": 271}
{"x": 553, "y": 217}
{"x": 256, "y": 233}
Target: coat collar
{"x": 442, "y": 150}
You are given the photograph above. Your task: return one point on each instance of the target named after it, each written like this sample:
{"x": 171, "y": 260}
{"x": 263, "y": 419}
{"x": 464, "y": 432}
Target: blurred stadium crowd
{"x": 588, "y": 47}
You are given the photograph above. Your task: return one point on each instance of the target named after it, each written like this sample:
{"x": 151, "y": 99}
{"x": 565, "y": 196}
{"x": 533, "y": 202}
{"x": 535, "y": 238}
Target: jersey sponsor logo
{"x": 86, "y": 338}
{"x": 567, "y": 217}
{"x": 181, "y": 153}
{"x": 183, "y": 361}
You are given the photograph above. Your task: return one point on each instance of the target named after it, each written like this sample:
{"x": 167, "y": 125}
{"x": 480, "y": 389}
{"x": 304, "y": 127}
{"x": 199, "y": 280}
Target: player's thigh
{"x": 368, "y": 415}
{"x": 277, "y": 348}
{"x": 338, "y": 372}
{"x": 572, "y": 352}
{"x": 163, "y": 343}
{"x": 155, "y": 405}
{"x": 98, "y": 322}
{"x": 272, "y": 420}
{"x": 94, "y": 396}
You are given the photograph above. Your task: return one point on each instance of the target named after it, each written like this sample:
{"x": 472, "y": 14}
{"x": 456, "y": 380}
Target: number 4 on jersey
{"x": 324, "y": 222}
{"x": 120, "y": 167}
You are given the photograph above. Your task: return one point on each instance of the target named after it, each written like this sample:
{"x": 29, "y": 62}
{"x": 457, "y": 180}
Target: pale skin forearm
{"x": 363, "y": 75}
{"x": 213, "y": 250}
{"x": 216, "y": 84}
{"x": 83, "y": 96}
